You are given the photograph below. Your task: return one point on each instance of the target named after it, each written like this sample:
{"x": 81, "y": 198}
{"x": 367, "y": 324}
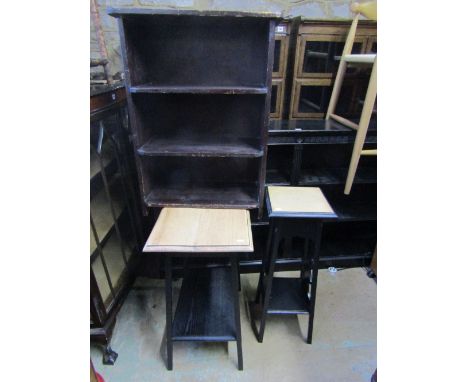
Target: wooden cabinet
{"x": 115, "y": 229}
{"x": 319, "y": 47}
{"x": 281, "y": 57}
{"x": 198, "y": 86}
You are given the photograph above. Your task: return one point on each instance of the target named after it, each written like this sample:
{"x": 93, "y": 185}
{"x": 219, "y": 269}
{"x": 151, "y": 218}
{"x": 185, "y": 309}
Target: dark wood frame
{"x": 292, "y": 293}
{"x": 229, "y": 290}
{"x": 154, "y": 193}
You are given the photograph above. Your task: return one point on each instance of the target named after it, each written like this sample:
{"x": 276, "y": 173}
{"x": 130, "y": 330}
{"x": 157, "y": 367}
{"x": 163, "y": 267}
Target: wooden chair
{"x": 368, "y": 10}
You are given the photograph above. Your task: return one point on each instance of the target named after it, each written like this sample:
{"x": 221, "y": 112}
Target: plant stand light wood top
{"x": 201, "y": 230}
{"x": 303, "y": 201}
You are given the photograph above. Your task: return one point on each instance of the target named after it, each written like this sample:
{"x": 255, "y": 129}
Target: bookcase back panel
{"x": 197, "y": 51}
{"x": 204, "y": 118}
{"x": 188, "y": 171}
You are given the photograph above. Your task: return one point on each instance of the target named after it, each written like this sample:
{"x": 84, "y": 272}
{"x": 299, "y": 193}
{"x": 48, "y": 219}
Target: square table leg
{"x": 264, "y": 265}
{"x": 269, "y": 282}
{"x": 313, "y": 286}
{"x": 235, "y": 298}
{"x": 168, "y": 281}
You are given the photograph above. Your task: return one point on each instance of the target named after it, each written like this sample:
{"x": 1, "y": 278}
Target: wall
{"x": 315, "y": 9}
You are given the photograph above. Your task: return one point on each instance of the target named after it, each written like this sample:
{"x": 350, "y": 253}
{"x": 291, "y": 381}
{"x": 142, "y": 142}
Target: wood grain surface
{"x": 201, "y": 230}
{"x": 298, "y": 199}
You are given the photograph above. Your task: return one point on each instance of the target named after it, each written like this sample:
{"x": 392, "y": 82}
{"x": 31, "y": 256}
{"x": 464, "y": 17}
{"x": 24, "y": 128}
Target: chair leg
{"x": 363, "y": 126}
{"x": 235, "y": 296}
{"x": 168, "y": 276}
{"x": 269, "y": 282}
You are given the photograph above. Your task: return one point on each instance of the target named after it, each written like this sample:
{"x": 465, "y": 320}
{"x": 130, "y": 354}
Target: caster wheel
{"x": 109, "y": 357}
{"x": 370, "y": 274}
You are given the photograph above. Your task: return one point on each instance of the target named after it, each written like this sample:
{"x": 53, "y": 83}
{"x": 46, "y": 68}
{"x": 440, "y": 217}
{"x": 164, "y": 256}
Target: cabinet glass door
{"x": 276, "y": 99}
{"x": 372, "y": 45}
{"x": 112, "y": 233}
{"x": 311, "y": 98}
{"x": 319, "y": 55}
{"x": 280, "y": 56}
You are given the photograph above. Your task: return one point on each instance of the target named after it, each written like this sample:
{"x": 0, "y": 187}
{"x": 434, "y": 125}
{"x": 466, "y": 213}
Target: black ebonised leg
{"x": 235, "y": 296}
{"x": 269, "y": 282}
{"x": 264, "y": 265}
{"x": 168, "y": 271}
{"x": 313, "y": 286}
{"x": 238, "y": 275}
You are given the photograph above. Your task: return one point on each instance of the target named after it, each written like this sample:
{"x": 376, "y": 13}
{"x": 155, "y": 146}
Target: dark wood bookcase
{"x": 198, "y": 87}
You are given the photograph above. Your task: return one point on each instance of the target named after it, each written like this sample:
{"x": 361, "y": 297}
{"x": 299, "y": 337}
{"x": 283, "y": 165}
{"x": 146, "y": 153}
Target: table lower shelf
{"x": 205, "y": 310}
{"x": 288, "y": 297}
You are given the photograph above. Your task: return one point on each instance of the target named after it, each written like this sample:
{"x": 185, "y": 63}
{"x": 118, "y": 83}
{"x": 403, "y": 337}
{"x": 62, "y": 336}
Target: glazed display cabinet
{"x": 318, "y": 50}
{"x": 115, "y": 228}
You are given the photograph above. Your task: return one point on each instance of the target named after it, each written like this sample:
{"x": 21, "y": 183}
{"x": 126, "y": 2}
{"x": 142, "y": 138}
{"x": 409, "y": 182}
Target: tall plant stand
{"x": 293, "y": 212}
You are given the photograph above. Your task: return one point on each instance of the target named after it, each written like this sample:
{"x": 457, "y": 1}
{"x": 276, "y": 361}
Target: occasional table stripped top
{"x": 307, "y": 202}
{"x": 201, "y": 230}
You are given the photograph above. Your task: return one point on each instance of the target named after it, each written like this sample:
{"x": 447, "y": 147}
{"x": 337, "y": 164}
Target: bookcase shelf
{"x": 221, "y": 195}
{"x": 151, "y": 88}
{"x": 176, "y": 147}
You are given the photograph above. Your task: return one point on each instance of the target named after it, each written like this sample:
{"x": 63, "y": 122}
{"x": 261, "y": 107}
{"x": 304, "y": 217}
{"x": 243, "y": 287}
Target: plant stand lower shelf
{"x": 288, "y": 296}
{"x": 205, "y": 309}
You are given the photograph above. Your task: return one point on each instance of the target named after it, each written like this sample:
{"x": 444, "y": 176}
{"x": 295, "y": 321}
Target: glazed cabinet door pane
{"x": 101, "y": 278}
{"x": 280, "y": 56}
{"x": 313, "y": 96}
{"x": 320, "y": 55}
{"x": 112, "y": 234}
{"x": 276, "y": 101}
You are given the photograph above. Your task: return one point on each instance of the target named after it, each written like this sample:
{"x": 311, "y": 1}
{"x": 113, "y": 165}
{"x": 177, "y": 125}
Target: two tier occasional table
{"x": 208, "y": 305}
{"x": 293, "y": 212}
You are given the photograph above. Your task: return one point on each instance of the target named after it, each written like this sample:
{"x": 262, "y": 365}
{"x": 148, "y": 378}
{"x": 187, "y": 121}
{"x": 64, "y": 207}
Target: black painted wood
{"x": 205, "y": 311}
{"x": 197, "y": 148}
{"x": 151, "y": 88}
{"x": 199, "y": 86}
{"x": 336, "y": 175}
{"x": 218, "y": 195}
{"x": 288, "y": 297}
